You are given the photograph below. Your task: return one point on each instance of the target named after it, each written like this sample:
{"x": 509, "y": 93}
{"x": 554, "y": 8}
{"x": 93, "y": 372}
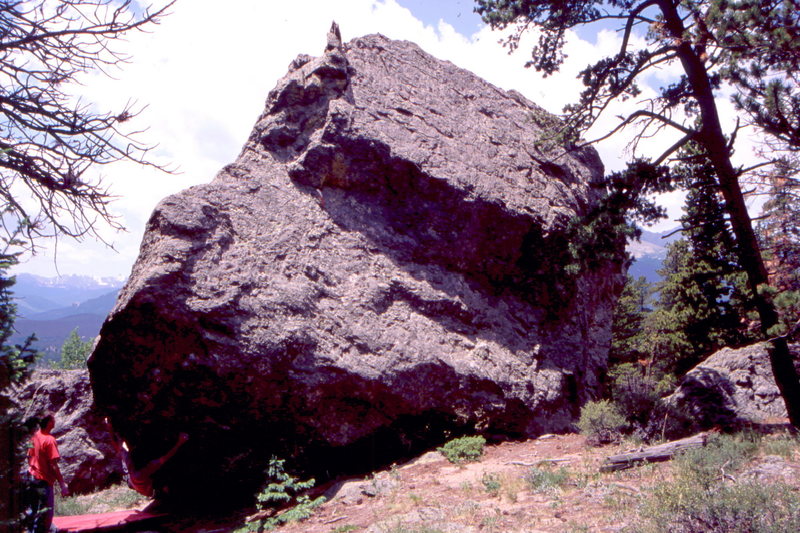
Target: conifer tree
{"x": 15, "y": 363}
{"x": 74, "y": 352}
{"x": 779, "y": 231}
{"x": 628, "y": 322}
{"x": 750, "y": 44}
{"x": 709, "y": 289}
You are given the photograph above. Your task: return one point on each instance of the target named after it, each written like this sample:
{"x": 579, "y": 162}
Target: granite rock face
{"x": 381, "y": 268}
{"x": 88, "y": 459}
{"x": 732, "y": 387}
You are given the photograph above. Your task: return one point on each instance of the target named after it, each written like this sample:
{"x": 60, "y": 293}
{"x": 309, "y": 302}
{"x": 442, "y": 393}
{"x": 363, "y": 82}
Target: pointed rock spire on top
{"x": 334, "y": 38}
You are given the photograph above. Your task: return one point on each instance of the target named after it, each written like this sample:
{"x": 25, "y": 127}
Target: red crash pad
{"x": 118, "y": 520}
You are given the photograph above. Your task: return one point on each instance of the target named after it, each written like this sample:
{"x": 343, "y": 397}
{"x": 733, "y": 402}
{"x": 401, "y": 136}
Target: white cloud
{"x": 205, "y": 72}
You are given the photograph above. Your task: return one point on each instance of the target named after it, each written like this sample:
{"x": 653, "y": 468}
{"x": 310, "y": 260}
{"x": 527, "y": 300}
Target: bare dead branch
{"x": 48, "y": 143}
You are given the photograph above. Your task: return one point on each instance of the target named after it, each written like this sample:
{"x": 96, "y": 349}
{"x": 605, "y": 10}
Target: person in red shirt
{"x": 43, "y": 467}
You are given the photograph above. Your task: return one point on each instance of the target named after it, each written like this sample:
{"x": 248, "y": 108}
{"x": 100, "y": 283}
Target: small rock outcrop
{"x": 382, "y": 267}
{"x": 88, "y": 459}
{"x": 733, "y": 386}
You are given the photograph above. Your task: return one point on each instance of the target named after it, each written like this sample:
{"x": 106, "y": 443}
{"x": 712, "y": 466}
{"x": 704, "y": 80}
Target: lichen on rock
{"x": 374, "y": 273}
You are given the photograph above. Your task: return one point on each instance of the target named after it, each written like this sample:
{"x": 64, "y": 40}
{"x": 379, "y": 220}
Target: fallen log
{"x": 540, "y": 462}
{"x": 652, "y": 454}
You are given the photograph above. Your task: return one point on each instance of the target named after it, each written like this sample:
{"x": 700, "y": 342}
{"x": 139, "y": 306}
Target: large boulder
{"x": 733, "y": 387}
{"x": 385, "y": 265}
{"x": 88, "y": 459}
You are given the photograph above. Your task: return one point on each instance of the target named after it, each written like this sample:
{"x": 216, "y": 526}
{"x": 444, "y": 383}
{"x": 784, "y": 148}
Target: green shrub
{"x": 704, "y": 496}
{"x": 634, "y": 393}
{"x": 491, "y": 483}
{"x": 283, "y": 489}
{"x": 601, "y": 422}
{"x": 752, "y": 507}
{"x": 463, "y": 449}
{"x": 784, "y": 445}
{"x": 722, "y": 455}
{"x": 546, "y": 480}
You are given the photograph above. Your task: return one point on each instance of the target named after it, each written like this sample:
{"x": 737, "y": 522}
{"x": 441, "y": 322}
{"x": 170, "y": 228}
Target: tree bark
{"x": 713, "y": 140}
{"x": 662, "y": 452}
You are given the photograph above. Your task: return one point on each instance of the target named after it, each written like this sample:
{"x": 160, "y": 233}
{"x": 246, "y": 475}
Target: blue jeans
{"x": 42, "y": 506}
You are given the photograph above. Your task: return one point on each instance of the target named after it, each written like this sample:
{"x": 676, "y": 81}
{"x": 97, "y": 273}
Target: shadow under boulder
{"x": 383, "y": 268}
{"x": 731, "y": 389}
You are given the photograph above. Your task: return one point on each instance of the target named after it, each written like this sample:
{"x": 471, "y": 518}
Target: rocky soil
{"x": 431, "y": 495}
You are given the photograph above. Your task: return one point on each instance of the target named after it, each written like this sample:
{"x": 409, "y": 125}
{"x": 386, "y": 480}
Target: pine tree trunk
{"x": 748, "y": 252}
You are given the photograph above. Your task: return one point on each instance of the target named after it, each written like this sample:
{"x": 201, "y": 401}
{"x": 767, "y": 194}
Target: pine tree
{"x": 750, "y": 44}
{"x": 628, "y": 322}
{"x": 629, "y": 380}
{"x": 779, "y": 231}
{"x": 74, "y": 352}
{"x": 701, "y": 305}
{"x": 15, "y": 363}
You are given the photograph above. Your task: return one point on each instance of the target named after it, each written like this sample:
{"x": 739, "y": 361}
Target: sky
{"x": 202, "y": 76}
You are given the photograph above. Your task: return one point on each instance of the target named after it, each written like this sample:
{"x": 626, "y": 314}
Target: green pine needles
{"x": 74, "y": 352}
{"x": 283, "y": 490}
{"x": 463, "y": 449}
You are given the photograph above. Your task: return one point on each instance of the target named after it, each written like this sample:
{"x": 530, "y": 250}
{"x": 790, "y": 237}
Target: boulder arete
{"x": 383, "y": 267}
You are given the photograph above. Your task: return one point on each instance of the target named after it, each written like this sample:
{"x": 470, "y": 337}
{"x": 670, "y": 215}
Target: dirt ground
{"x": 489, "y": 495}
{"x": 432, "y": 495}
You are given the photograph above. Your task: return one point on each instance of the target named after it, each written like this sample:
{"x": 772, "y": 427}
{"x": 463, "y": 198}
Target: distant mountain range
{"x": 51, "y": 308}
{"x": 649, "y": 253}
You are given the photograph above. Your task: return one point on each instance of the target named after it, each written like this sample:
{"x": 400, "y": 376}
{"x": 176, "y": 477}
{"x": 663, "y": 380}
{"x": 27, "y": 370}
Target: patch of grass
{"x": 125, "y": 499}
{"x": 491, "y": 483}
{"x": 682, "y": 507}
{"x": 503, "y": 484}
{"x": 784, "y": 445}
{"x": 705, "y": 496}
{"x": 574, "y": 527}
{"x": 463, "y": 449}
{"x": 547, "y": 480}
{"x": 489, "y": 522}
{"x": 346, "y": 528}
{"x": 620, "y": 500}
{"x": 407, "y": 528}
{"x": 111, "y": 499}
{"x": 71, "y": 505}
{"x": 468, "y": 511}
{"x": 722, "y": 455}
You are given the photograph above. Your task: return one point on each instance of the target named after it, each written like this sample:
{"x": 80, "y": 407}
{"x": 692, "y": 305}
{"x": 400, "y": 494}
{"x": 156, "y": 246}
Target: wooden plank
{"x": 660, "y": 452}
